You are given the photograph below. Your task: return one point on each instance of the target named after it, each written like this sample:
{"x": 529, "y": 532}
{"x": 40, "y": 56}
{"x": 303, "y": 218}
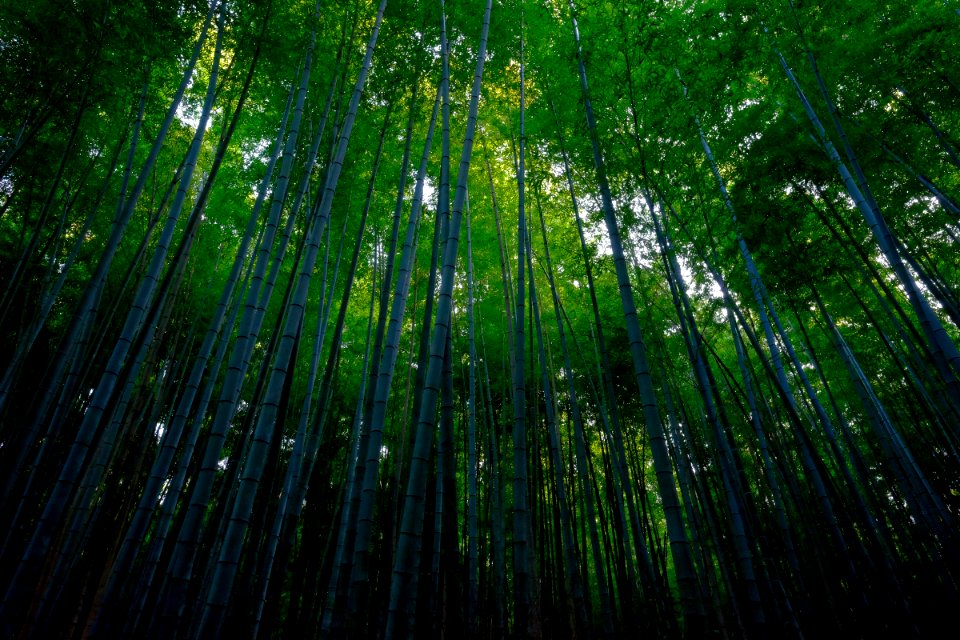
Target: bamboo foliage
{"x": 249, "y": 387}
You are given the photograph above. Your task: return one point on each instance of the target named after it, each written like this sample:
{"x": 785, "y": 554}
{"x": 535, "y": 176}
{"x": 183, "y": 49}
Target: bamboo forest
{"x": 479, "y": 319}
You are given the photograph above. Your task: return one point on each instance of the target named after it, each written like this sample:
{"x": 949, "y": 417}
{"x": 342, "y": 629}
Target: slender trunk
{"x": 70, "y": 474}
{"x": 403, "y": 586}
{"x": 522, "y": 549}
{"x": 679, "y": 543}
{"x": 945, "y": 352}
{"x": 229, "y": 559}
{"x": 181, "y": 563}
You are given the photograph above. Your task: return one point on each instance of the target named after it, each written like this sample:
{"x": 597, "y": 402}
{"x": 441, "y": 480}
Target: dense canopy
{"x": 516, "y": 318}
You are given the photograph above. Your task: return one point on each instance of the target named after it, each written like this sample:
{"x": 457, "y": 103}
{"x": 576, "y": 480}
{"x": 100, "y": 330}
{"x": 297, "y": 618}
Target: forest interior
{"x": 448, "y": 319}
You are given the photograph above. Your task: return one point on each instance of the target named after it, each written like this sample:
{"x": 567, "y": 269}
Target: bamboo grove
{"x": 512, "y": 318}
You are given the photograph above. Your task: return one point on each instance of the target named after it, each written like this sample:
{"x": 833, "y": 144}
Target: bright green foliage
{"x": 808, "y": 479}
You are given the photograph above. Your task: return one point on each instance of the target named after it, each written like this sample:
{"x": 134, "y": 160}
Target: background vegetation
{"x": 520, "y": 318}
